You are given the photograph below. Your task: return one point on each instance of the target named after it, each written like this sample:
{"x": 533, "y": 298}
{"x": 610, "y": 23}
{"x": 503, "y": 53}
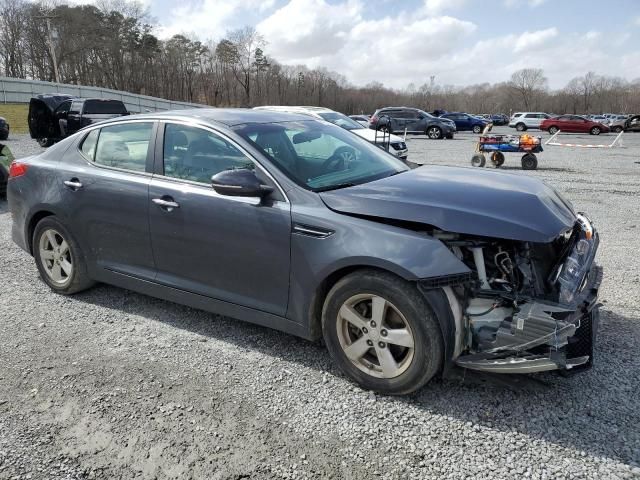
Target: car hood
{"x": 370, "y": 135}
{"x": 462, "y": 200}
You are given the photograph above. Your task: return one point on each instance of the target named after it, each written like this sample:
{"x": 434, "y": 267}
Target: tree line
{"x": 111, "y": 44}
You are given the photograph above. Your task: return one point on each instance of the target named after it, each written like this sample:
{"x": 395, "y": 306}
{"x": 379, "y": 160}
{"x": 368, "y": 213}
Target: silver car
{"x": 522, "y": 121}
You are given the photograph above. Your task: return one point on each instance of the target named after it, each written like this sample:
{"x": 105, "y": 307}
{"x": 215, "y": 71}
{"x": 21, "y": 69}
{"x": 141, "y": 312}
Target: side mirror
{"x": 240, "y": 182}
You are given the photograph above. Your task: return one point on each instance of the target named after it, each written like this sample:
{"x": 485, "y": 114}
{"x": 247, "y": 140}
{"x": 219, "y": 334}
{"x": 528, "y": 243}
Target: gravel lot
{"x": 112, "y": 384}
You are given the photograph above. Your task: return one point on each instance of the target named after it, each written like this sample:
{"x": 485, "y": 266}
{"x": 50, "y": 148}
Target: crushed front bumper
{"x": 573, "y": 350}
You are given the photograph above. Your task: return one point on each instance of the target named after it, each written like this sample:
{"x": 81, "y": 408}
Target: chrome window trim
{"x": 187, "y": 122}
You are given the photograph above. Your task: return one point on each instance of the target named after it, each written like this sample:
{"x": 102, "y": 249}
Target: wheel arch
{"x": 34, "y": 219}
{"x": 435, "y": 296}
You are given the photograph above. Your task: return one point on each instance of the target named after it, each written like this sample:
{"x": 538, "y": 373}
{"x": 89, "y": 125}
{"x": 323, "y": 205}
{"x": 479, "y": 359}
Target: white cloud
{"x": 394, "y": 49}
{"x": 532, "y": 40}
{"x": 210, "y": 18}
{"x": 438, "y": 6}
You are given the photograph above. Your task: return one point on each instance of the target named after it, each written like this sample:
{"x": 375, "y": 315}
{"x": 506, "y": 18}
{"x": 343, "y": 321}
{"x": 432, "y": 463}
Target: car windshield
{"x": 341, "y": 120}
{"x": 319, "y": 156}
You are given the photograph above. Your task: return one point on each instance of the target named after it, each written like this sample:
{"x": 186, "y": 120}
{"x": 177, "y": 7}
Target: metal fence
{"x": 18, "y": 90}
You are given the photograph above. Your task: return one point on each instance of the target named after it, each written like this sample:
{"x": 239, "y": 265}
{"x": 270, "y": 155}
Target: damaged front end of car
{"x": 528, "y": 307}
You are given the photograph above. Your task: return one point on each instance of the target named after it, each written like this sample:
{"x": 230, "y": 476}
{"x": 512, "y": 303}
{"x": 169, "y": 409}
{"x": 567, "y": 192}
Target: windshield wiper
{"x": 335, "y": 187}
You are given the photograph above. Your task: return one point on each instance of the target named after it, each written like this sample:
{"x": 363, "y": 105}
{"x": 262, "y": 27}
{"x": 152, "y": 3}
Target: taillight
{"x": 373, "y": 119}
{"x": 17, "y": 169}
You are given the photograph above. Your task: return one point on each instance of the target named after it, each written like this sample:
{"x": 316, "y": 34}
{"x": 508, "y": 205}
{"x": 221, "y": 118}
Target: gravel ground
{"x": 112, "y": 384}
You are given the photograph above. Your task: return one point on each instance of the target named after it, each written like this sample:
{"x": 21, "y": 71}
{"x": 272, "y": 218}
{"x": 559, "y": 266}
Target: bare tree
{"x": 528, "y": 83}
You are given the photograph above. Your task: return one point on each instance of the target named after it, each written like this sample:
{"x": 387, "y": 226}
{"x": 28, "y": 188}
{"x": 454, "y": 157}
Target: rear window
{"x": 124, "y": 146}
{"x": 104, "y": 106}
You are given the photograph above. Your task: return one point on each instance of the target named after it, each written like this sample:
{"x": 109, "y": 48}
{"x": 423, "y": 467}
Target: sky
{"x": 398, "y": 42}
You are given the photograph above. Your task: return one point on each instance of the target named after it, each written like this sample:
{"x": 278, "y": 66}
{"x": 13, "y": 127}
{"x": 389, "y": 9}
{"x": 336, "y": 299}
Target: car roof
{"x": 225, "y": 116}
{"x": 305, "y": 110}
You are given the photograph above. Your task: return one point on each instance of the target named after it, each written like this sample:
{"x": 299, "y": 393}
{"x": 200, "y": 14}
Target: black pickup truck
{"x": 53, "y": 117}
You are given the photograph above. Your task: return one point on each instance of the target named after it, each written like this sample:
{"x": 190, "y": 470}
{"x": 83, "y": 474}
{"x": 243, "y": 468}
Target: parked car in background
{"x": 53, "y": 117}
{"x": 4, "y": 128}
{"x": 633, "y": 124}
{"x": 259, "y": 216}
{"x": 6, "y": 157}
{"x": 397, "y": 145}
{"x": 619, "y": 123}
{"x": 361, "y": 119}
{"x": 573, "y": 124}
{"x": 499, "y": 119}
{"x": 411, "y": 120}
{"x": 466, "y": 121}
{"x": 601, "y": 119}
{"x": 522, "y": 121}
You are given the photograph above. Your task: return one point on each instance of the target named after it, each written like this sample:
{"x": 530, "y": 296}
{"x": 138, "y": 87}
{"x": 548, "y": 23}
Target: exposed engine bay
{"x": 530, "y": 306}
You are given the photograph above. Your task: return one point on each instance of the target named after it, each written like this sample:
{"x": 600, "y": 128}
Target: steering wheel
{"x": 340, "y": 159}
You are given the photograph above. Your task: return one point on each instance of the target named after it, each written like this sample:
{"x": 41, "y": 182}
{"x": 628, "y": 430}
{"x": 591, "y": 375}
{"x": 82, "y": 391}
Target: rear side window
{"x": 104, "y": 107}
{"x": 124, "y": 146}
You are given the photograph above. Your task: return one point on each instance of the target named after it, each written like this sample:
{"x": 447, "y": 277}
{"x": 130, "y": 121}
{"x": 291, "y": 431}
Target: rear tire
{"x": 385, "y": 129}
{"x": 521, "y": 127}
{"x": 478, "y": 160}
{"x": 45, "y": 142}
{"x": 529, "y": 161}
{"x": 434, "y": 133}
{"x": 58, "y": 257}
{"x": 497, "y": 158}
{"x": 382, "y": 333}
{"x": 617, "y": 129}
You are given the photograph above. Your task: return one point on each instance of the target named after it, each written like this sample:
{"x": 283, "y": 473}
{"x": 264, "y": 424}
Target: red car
{"x": 573, "y": 124}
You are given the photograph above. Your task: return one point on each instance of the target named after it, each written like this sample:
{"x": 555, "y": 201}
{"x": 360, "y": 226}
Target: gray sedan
{"x": 298, "y": 225}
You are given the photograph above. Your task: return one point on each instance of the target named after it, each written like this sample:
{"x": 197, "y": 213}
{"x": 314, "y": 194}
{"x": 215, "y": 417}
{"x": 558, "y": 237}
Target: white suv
{"x": 398, "y": 146}
{"x": 522, "y": 121}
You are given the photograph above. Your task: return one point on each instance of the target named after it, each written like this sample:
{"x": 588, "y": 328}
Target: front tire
{"x": 477, "y": 129}
{"x": 382, "y": 333}
{"x": 553, "y": 130}
{"x": 434, "y": 133}
{"x": 58, "y": 257}
{"x": 45, "y": 142}
{"x": 529, "y": 161}
{"x": 595, "y": 131}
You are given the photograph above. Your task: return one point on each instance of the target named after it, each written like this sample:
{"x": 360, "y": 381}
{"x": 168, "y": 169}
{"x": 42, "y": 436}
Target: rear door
{"x": 228, "y": 248}
{"x": 412, "y": 121}
{"x": 105, "y": 190}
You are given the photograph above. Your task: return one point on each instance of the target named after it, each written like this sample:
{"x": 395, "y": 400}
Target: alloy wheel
{"x": 55, "y": 256}
{"x": 434, "y": 133}
{"x": 375, "y": 336}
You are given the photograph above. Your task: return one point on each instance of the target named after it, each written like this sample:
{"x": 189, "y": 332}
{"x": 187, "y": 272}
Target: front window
{"x": 194, "y": 154}
{"x": 319, "y": 156}
{"x": 341, "y": 120}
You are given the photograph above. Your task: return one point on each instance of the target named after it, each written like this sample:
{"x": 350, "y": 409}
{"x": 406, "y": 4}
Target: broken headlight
{"x": 577, "y": 264}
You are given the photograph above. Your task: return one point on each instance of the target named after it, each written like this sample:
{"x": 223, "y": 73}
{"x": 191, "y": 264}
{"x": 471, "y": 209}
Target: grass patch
{"x": 16, "y": 114}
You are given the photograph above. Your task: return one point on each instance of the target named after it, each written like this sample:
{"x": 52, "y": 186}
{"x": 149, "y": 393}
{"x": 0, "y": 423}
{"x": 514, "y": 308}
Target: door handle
{"x": 73, "y": 184}
{"x": 167, "y": 204}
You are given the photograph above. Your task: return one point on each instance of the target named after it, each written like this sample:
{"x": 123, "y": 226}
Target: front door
{"x": 229, "y": 248}
{"x": 104, "y": 186}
